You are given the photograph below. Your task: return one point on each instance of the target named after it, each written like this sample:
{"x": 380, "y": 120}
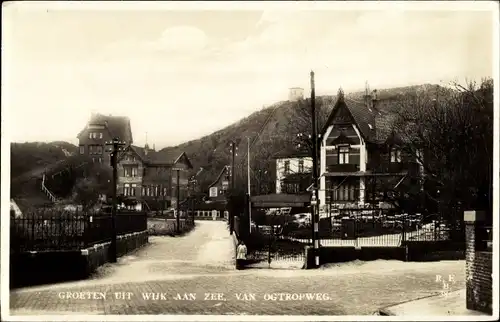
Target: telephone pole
{"x": 314, "y": 201}
{"x": 232, "y": 196}
{"x": 178, "y": 203}
{"x": 249, "y": 186}
{"x": 115, "y": 146}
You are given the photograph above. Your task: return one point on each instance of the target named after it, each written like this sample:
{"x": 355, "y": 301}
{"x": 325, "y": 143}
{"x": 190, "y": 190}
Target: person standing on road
{"x": 241, "y": 255}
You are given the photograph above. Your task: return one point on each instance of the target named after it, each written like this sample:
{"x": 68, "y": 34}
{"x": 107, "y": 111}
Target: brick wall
{"x": 479, "y": 264}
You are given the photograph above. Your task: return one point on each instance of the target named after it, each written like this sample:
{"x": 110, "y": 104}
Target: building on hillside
{"x": 293, "y": 177}
{"x": 150, "y": 177}
{"x": 295, "y": 94}
{"x": 293, "y": 172}
{"x": 217, "y": 200}
{"x": 99, "y": 130}
{"x": 360, "y": 154}
{"x": 217, "y": 191}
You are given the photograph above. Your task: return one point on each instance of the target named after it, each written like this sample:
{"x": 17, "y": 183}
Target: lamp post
{"x": 114, "y": 147}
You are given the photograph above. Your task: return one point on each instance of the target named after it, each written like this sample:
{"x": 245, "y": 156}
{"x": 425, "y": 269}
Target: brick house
{"x": 150, "y": 177}
{"x": 99, "y": 129}
{"x": 359, "y": 153}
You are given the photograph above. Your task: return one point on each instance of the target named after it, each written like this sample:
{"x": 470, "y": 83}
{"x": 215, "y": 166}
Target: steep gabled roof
{"x": 156, "y": 157}
{"x": 226, "y": 168}
{"x": 375, "y": 124}
{"x": 117, "y": 126}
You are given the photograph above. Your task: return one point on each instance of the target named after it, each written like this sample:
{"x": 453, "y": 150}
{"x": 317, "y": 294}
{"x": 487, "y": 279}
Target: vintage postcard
{"x": 242, "y": 161}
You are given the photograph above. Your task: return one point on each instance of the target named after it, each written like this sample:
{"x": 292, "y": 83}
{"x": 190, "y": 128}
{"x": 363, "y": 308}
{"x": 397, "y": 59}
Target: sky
{"x": 182, "y": 74}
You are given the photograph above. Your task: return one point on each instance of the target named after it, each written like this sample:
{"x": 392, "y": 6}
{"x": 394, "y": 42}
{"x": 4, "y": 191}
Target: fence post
{"x": 403, "y": 232}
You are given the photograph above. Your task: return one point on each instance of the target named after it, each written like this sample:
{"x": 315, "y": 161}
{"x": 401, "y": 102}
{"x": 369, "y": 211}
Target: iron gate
{"x": 268, "y": 244}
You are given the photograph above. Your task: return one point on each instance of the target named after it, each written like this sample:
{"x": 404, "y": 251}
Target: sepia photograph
{"x": 242, "y": 161}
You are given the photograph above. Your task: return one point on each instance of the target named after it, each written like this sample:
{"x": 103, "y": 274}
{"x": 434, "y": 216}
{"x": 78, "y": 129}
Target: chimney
{"x": 368, "y": 96}
{"x": 374, "y": 98}
{"x": 146, "y": 146}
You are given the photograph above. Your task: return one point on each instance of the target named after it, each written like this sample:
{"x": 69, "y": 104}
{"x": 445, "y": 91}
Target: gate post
{"x": 403, "y": 230}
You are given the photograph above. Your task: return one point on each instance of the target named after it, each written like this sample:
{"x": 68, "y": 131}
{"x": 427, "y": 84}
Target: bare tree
{"x": 96, "y": 182}
{"x": 450, "y": 133}
{"x": 300, "y": 122}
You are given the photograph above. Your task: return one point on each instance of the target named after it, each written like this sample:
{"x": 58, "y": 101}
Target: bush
{"x": 158, "y": 227}
{"x": 257, "y": 241}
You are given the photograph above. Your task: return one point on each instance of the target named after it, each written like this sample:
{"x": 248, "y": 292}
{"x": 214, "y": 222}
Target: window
{"x": 156, "y": 190}
{"x": 143, "y": 191}
{"x": 395, "y": 155}
{"x": 100, "y": 135}
{"x": 343, "y": 155}
{"x": 213, "y": 192}
{"x": 93, "y": 160}
{"x": 128, "y": 171}
{"x": 100, "y": 160}
{"x": 99, "y": 150}
{"x": 164, "y": 191}
{"x": 287, "y": 167}
{"x": 346, "y": 192}
{"x": 94, "y": 135}
{"x": 90, "y": 135}
{"x": 135, "y": 170}
{"x": 82, "y": 149}
{"x": 132, "y": 189}
{"x": 301, "y": 166}
{"x": 126, "y": 189}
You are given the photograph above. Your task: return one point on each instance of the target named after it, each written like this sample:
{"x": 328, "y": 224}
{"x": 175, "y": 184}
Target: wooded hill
{"x": 271, "y": 130}
{"x": 36, "y": 156}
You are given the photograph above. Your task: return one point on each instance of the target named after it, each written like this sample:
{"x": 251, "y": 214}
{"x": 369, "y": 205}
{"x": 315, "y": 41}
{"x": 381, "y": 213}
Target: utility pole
{"x": 115, "y": 146}
{"x": 231, "y": 214}
{"x": 178, "y": 202}
{"x": 314, "y": 201}
{"x": 249, "y": 191}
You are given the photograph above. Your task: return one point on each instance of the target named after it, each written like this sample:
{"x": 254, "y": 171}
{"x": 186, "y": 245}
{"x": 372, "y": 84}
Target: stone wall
{"x": 348, "y": 253}
{"x": 99, "y": 254}
{"x": 479, "y": 283}
{"x": 62, "y": 266}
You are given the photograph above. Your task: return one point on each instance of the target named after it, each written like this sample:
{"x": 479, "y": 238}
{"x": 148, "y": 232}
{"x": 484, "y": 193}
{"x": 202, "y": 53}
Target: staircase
{"x": 47, "y": 192}
{"x": 32, "y": 189}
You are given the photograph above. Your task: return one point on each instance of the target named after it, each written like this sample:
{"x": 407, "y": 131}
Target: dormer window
{"x": 395, "y": 155}
{"x": 343, "y": 154}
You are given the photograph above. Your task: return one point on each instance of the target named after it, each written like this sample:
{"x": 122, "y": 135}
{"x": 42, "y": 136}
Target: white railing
{"x": 49, "y": 194}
